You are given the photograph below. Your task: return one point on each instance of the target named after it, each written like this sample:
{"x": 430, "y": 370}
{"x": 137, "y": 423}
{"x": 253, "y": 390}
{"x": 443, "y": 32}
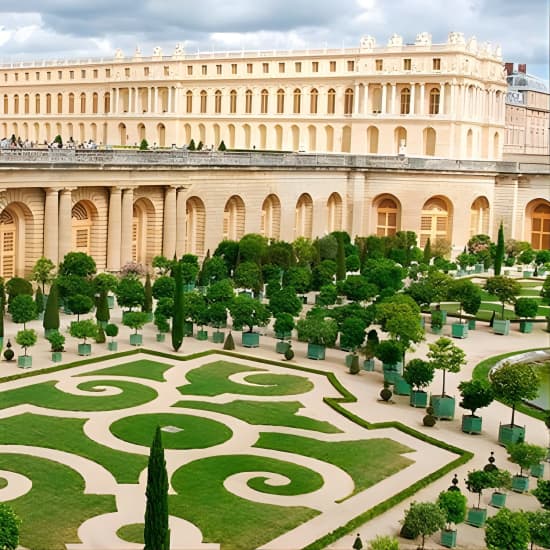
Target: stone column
{"x": 422, "y": 107}
{"x": 170, "y": 223}
{"x": 452, "y": 110}
{"x": 356, "y": 99}
{"x": 65, "y": 223}
{"x": 393, "y": 94}
{"x": 384, "y": 99}
{"x": 366, "y": 99}
{"x": 127, "y": 218}
{"x": 442, "y": 99}
{"x": 170, "y": 99}
{"x": 413, "y": 90}
{"x": 155, "y": 108}
{"x": 113, "y": 230}
{"x": 181, "y": 220}
{"x": 51, "y": 227}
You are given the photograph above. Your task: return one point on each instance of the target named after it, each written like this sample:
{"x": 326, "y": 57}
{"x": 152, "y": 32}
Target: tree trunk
{"x": 513, "y": 414}
{"x": 443, "y": 392}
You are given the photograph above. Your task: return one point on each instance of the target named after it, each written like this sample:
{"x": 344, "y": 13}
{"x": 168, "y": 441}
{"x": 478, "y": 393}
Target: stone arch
{"x": 217, "y": 133}
{"x": 247, "y": 133}
{"x": 122, "y": 133}
{"x": 436, "y": 220}
{"x": 537, "y": 219}
{"x": 202, "y": 134}
{"x": 334, "y": 212}
{"x": 271, "y": 217}
{"x": 93, "y": 129}
{"x": 161, "y": 135}
{"x": 429, "y": 138}
{"x": 15, "y": 222}
{"x": 312, "y": 137}
{"x": 400, "y": 139}
{"x": 187, "y": 132}
{"x": 386, "y": 210}
{"x": 373, "y": 135}
{"x": 231, "y": 130}
{"x": 346, "y": 139}
{"x": 142, "y": 133}
{"x": 479, "y": 216}
{"x": 234, "y": 218}
{"x": 195, "y": 226}
{"x": 143, "y": 231}
{"x": 303, "y": 220}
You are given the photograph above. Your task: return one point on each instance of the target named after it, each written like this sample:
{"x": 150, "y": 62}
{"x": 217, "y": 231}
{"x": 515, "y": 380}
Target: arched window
{"x": 95, "y": 100}
{"x": 59, "y": 104}
{"x": 387, "y": 217}
{"x": 334, "y": 213}
{"x": 37, "y": 104}
{"x": 107, "y": 103}
{"x": 233, "y": 219}
{"x": 8, "y": 244}
{"x": 189, "y": 101}
{"x": 331, "y": 101}
{"x": 348, "y": 102}
{"x": 161, "y": 135}
{"x": 142, "y": 231}
{"x": 435, "y": 221}
{"x": 263, "y": 136}
{"x": 297, "y": 103}
{"x": 218, "y": 101}
{"x": 48, "y": 104}
{"x": 82, "y": 103}
{"x": 203, "y": 101}
{"x": 26, "y": 103}
{"x": 264, "y": 102}
{"x": 271, "y": 217}
{"x": 429, "y": 141}
{"x": 71, "y": 103}
{"x": 248, "y": 102}
{"x": 6, "y": 104}
{"x": 400, "y": 139}
{"x": 16, "y": 104}
{"x": 313, "y": 101}
{"x": 280, "y": 101}
{"x": 195, "y": 224}
{"x": 540, "y": 226}
{"x": 479, "y": 217}
{"x": 372, "y": 140}
{"x": 233, "y": 101}
{"x": 405, "y": 101}
{"x": 496, "y": 146}
{"x": 434, "y": 101}
{"x": 81, "y": 228}
{"x": 469, "y": 143}
{"x": 304, "y": 217}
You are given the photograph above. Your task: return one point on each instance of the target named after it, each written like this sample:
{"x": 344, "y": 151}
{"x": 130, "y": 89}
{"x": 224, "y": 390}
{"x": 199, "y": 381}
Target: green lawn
{"x": 213, "y": 379}
{"x": 196, "y": 432}
{"x": 67, "y": 434}
{"x": 131, "y": 533}
{"x": 282, "y": 413}
{"x": 143, "y": 368}
{"x": 56, "y": 506}
{"x": 48, "y": 396}
{"x": 366, "y": 461}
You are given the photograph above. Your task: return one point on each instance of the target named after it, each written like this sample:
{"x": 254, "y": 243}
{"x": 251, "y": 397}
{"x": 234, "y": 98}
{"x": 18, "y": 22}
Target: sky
{"x": 80, "y": 29}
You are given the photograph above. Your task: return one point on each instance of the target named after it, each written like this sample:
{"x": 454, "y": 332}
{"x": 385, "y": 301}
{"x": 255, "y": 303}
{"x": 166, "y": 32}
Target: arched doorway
{"x": 540, "y": 225}
{"x": 271, "y": 217}
{"x": 8, "y": 244}
{"x": 142, "y": 232}
{"x": 334, "y": 213}
{"x": 435, "y": 222}
{"x": 233, "y": 218}
{"x": 303, "y": 220}
{"x": 387, "y": 213}
{"x": 81, "y": 227}
{"x": 479, "y": 217}
{"x": 195, "y": 222}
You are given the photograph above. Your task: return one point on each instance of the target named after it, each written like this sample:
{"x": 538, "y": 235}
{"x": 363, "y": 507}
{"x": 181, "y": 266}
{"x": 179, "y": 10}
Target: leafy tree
{"x": 527, "y": 256}
{"x": 16, "y": 286}
{"x": 194, "y": 308}
{"x": 445, "y": 356}
{"x": 135, "y": 320}
{"x": 280, "y": 254}
{"x": 77, "y": 263}
{"x": 357, "y": 288}
{"x": 353, "y": 334}
{"x": 156, "y": 533}
{"x": 299, "y": 278}
{"x": 217, "y": 314}
{"x": 499, "y": 252}
{"x": 369, "y": 349}
{"x": 504, "y": 288}
{"x": 22, "y": 309}
{"x": 104, "y": 282}
{"x": 162, "y": 264}
{"x": 476, "y": 394}
{"x": 284, "y": 324}
{"x": 453, "y": 504}
{"x": 220, "y": 292}
{"x": 100, "y": 336}
{"x": 389, "y": 352}
{"x": 213, "y": 269}
{"x": 39, "y": 301}
{"x": 111, "y": 330}
{"x": 148, "y": 295}
{"x": 353, "y": 263}
{"x": 189, "y": 271}
{"x": 80, "y": 304}
{"x": 542, "y": 492}
{"x": 507, "y": 529}
{"x": 525, "y": 455}
{"x": 102, "y": 314}
{"x": 253, "y": 248}
{"x": 228, "y": 251}
{"x": 248, "y": 275}
{"x": 51, "y": 314}
{"x": 323, "y": 274}
{"x": 430, "y": 289}
{"x": 69, "y": 285}
{"x": 467, "y": 294}
{"x": 26, "y": 338}
{"x": 83, "y": 329}
{"x": 9, "y": 528}
{"x": 177, "y": 314}
{"x": 163, "y": 287}
{"x": 526, "y": 307}
{"x": 477, "y": 481}
{"x": 248, "y": 312}
{"x": 304, "y": 251}
{"x": 328, "y": 247}
{"x": 418, "y": 373}
{"x": 340, "y": 260}
{"x": 317, "y": 329}
{"x": 539, "y": 528}
{"x": 42, "y": 272}
{"x": 423, "y": 519}
{"x": 384, "y": 273}
{"x": 285, "y": 300}
{"x": 427, "y": 253}
{"x": 545, "y": 291}
{"x": 327, "y": 295}
{"x": 513, "y": 383}
{"x": 130, "y": 293}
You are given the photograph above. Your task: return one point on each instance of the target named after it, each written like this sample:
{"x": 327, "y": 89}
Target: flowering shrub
{"x": 132, "y": 269}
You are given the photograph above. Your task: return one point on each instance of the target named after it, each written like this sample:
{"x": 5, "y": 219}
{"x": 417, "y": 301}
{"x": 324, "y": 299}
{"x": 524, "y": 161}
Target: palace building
{"x": 371, "y": 140}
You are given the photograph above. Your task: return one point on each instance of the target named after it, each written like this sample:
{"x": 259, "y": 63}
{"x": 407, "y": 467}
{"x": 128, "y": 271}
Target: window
{"x": 264, "y": 102}
{"x": 218, "y": 101}
{"x": 332, "y": 66}
{"x": 48, "y": 104}
{"x": 189, "y": 70}
{"x": 218, "y": 69}
{"x": 315, "y": 66}
{"x": 126, "y": 71}
{"x": 405, "y": 101}
{"x": 298, "y": 66}
{"x": 107, "y": 73}
{"x": 71, "y": 103}
{"x": 281, "y": 67}
{"x": 434, "y": 221}
{"x": 37, "y": 104}
{"x": 166, "y": 70}
{"x": 16, "y": 104}
{"x": 233, "y": 68}
{"x": 407, "y": 64}
{"x": 145, "y": 71}
{"x": 71, "y": 75}
{"x": 265, "y": 67}
{"x": 83, "y": 103}
{"x": 249, "y": 68}
{"x": 6, "y": 106}
{"x": 280, "y": 101}
{"x": 540, "y": 227}
{"x": 297, "y": 101}
{"x": 233, "y": 101}
{"x": 16, "y": 76}
{"x": 204, "y": 69}
{"x": 189, "y": 101}
{"x": 379, "y": 64}
{"x": 37, "y": 76}
{"x": 96, "y": 72}
{"x": 82, "y": 73}
{"x": 248, "y": 102}
{"x": 203, "y": 101}
{"x": 436, "y": 63}
{"x": 313, "y": 101}
{"x": 386, "y": 223}
{"x": 348, "y": 102}
{"x": 59, "y": 75}
{"x": 48, "y": 75}
{"x": 351, "y": 65}
{"x": 434, "y": 101}
{"x": 26, "y": 76}
{"x": 331, "y": 101}
{"x": 59, "y": 103}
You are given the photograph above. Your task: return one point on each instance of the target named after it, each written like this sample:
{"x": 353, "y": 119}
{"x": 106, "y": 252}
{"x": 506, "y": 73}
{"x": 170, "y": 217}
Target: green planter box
{"x": 246, "y": 293}
{"x": 418, "y": 399}
{"x": 393, "y": 367}
{"x": 283, "y": 335}
{"x": 250, "y": 339}
{"x": 479, "y": 268}
{"x": 444, "y": 315}
{"x": 188, "y": 328}
{"x": 202, "y": 335}
{"x": 501, "y": 326}
{"x": 349, "y": 359}
{"x": 436, "y": 330}
{"x": 368, "y": 365}
{"x": 136, "y": 339}
{"x": 520, "y": 484}
{"x": 402, "y": 387}
{"x": 112, "y": 346}
{"x": 537, "y": 470}
{"x": 508, "y": 434}
{"x": 527, "y": 273}
{"x": 218, "y": 337}
{"x": 161, "y": 336}
{"x": 390, "y": 376}
{"x": 188, "y": 287}
{"x": 498, "y": 499}
{"x": 316, "y": 351}
{"x": 526, "y": 326}
{"x": 444, "y": 407}
{"x": 84, "y": 349}
{"x": 459, "y": 330}
{"x": 150, "y": 316}
{"x": 281, "y": 347}
{"x": 471, "y": 424}
{"x": 471, "y": 324}
{"x": 476, "y": 517}
{"x": 57, "y": 356}
{"x": 448, "y": 538}
{"x": 110, "y": 301}
{"x": 24, "y": 361}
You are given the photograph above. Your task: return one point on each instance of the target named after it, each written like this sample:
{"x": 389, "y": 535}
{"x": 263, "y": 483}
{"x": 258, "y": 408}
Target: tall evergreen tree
{"x": 102, "y": 308}
{"x": 427, "y": 252}
{"x": 148, "y": 303}
{"x": 156, "y": 533}
{"x": 178, "y": 314}
{"x": 499, "y": 252}
{"x": 51, "y": 315}
{"x": 340, "y": 259}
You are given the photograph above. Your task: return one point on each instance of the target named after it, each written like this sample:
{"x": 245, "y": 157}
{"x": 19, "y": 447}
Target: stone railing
{"x": 179, "y": 157}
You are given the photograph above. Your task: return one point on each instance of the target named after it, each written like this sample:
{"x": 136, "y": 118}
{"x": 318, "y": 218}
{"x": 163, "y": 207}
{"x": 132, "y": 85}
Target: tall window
{"x": 59, "y": 103}
{"x": 304, "y": 216}
{"x": 386, "y": 217}
{"x": 540, "y": 227}
{"x": 334, "y": 212}
{"x": 405, "y": 101}
{"x": 348, "y": 102}
{"x": 37, "y": 104}
{"x": 297, "y": 96}
{"x": 479, "y": 217}
{"x": 204, "y": 98}
{"x": 81, "y": 228}
{"x": 280, "y": 101}
{"x": 189, "y": 101}
{"x": 71, "y": 103}
{"x": 217, "y": 101}
{"x": 94, "y": 103}
{"x": 83, "y": 103}
{"x": 434, "y": 101}
{"x": 26, "y": 104}
{"x": 233, "y": 101}
{"x": 8, "y": 244}
{"x": 48, "y": 104}
{"x": 248, "y": 102}
{"x": 271, "y": 217}
{"x": 435, "y": 221}
{"x": 331, "y": 101}
{"x": 16, "y": 104}
{"x": 264, "y": 102}
{"x": 313, "y": 101}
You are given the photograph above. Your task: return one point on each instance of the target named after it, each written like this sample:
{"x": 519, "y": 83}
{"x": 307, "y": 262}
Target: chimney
{"x": 522, "y": 68}
{"x": 509, "y": 68}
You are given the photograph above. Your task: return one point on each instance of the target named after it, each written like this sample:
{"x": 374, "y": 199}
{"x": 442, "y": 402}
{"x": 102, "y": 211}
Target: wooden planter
{"x": 112, "y": 346}
{"x": 501, "y": 326}
{"x": 401, "y": 387}
{"x": 419, "y": 399}
{"x": 448, "y": 538}
{"x": 24, "y": 361}
{"x": 250, "y": 339}
{"x": 281, "y": 347}
{"x": 444, "y": 407}
{"x": 526, "y": 326}
{"x": 498, "y": 499}
{"x": 84, "y": 349}
{"x": 218, "y": 337}
{"x": 136, "y": 339}
{"x": 57, "y": 356}
{"x": 520, "y": 484}
{"x": 508, "y": 434}
{"x": 316, "y": 351}
{"x": 459, "y": 330}
{"x": 537, "y": 470}
{"x": 202, "y": 335}
{"x": 476, "y": 517}
{"x": 368, "y": 365}
{"x": 471, "y": 424}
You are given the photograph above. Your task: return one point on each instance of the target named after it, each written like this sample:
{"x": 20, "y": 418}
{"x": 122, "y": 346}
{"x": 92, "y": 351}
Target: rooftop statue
{"x": 157, "y": 51}
{"x": 395, "y": 41}
{"x": 456, "y": 38}
{"x": 368, "y": 42}
{"x": 423, "y": 39}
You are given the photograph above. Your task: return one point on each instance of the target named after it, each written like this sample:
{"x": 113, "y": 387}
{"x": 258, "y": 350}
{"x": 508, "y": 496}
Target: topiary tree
{"x": 22, "y": 309}
{"x": 477, "y": 481}
{"x": 542, "y": 492}
{"x": 83, "y": 329}
{"x": 130, "y": 293}
{"x": 423, "y": 519}
{"x": 318, "y": 329}
{"x": 177, "y": 312}
{"x": 79, "y": 264}
{"x": 42, "y": 272}
{"x": 284, "y": 324}
{"x": 51, "y": 314}
{"x": 229, "y": 343}
{"x": 513, "y": 383}
{"x": 163, "y": 287}
{"x": 444, "y": 355}
{"x": 285, "y": 301}
{"x": 16, "y": 286}
{"x": 26, "y": 338}
{"x": 476, "y": 394}
{"x": 504, "y": 288}
{"x": 418, "y": 373}
{"x": 221, "y": 146}
{"x": 104, "y": 282}
{"x": 525, "y": 455}
{"x": 9, "y": 528}
{"x": 327, "y": 295}
{"x": 352, "y": 334}
{"x": 539, "y": 528}
{"x": 39, "y": 301}
{"x": 248, "y": 312}
{"x": 111, "y": 330}
{"x": 467, "y": 294}
{"x": 499, "y": 251}
{"x": 100, "y": 335}
{"x": 135, "y": 320}
{"x": 526, "y": 307}
{"x": 453, "y": 504}
{"x": 389, "y": 352}
{"x": 102, "y": 314}
{"x": 248, "y": 275}
{"x": 143, "y": 145}
{"x": 507, "y": 529}
{"x": 56, "y": 340}
{"x": 148, "y": 295}
{"x": 80, "y": 304}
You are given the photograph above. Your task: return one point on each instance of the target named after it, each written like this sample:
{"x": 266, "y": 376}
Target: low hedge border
{"x": 481, "y": 372}
{"x": 333, "y": 402}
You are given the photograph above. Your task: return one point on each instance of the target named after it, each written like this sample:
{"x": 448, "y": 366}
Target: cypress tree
{"x": 156, "y": 533}
{"x": 177, "y": 316}
{"x": 102, "y": 314}
{"x": 2, "y": 320}
{"x": 427, "y": 252}
{"x": 51, "y": 315}
{"x": 340, "y": 259}
{"x": 499, "y": 252}
{"x": 148, "y": 303}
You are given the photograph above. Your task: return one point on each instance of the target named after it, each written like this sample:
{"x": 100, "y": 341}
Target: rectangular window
{"x": 16, "y": 76}
{"x": 26, "y": 76}
{"x": 96, "y": 73}
{"x": 166, "y": 70}
{"x": 407, "y": 64}
{"x": 332, "y": 66}
{"x": 379, "y": 64}
{"x": 127, "y": 71}
{"x": 265, "y": 67}
{"x": 315, "y": 66}
{"x": 218, "y": 69}
{"x": 107, "y": 73}
{"x": 145, "y": 71}
{"x": 37, "y": 76}
{"x": 249, "y": 68}
{"x": 298, "y": 66}
{"x": 281, "y": 67}
{"x": 233, "y": 68}
{"x": 189, "y": 70}
{"x": 59, "y": 75}
{"x": 71, "y": 75}
{"x": 5, "y": 77}
{"x": 83, "y": 73}
{"x": 204, "y": 70}
{"x": 48, "y": 75}
{"x": 436, "y": 63}
{"x": 351, "y": 65}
